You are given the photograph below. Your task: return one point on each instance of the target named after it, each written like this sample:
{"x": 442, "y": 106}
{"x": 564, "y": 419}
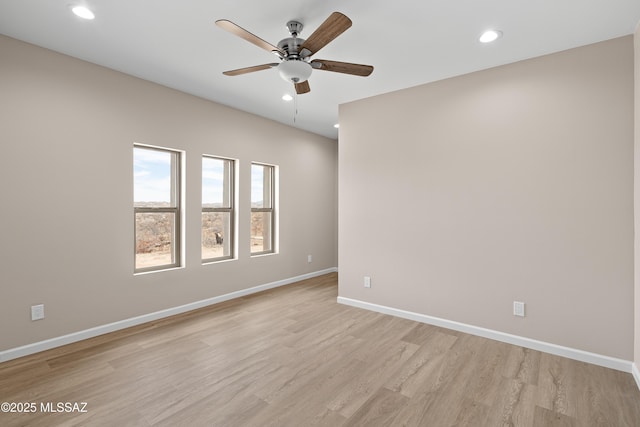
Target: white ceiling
{"x": 176, "y": 43}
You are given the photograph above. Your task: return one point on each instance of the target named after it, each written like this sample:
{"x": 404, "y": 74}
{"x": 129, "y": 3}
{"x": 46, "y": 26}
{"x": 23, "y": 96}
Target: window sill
{"x": 218, "y": 261}
{"x": 161, "y": 270}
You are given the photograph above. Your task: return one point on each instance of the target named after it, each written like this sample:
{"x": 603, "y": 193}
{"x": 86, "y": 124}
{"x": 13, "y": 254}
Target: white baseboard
{"x": 636, "y": 374}
{"x": 571, "y": 353}
{"x": 37, "y": 347}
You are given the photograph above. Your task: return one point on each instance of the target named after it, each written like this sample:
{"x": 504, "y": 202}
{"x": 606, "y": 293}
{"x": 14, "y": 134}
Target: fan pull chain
{"x": 295, "y": 105}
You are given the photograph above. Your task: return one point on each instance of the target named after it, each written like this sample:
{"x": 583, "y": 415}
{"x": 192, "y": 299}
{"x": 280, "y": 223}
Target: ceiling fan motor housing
{"x": 291, "y": 46}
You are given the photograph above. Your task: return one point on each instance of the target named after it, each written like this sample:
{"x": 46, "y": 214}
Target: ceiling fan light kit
{"x": 295, "y": 53}
{"x": 294, "y": 71}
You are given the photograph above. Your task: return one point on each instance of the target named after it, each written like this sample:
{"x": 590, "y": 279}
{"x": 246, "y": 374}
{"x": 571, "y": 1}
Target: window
{"x": 262, "y": 209}
{"x": 156, "y": 205}
{"x": 217, "y": 209}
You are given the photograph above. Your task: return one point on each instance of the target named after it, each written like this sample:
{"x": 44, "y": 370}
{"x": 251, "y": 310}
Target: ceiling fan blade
{"x": 332, "y": 27}
{"x": 302, "y": 87}
{"x": 246, "y": 70}
{"x": 229, "y": 26}
{"x": 342, "y": 67}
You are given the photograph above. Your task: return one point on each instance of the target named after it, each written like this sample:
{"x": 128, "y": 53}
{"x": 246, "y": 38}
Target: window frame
{"x": 271, "y": 209}
{"x": 231, "y": 210}
{"x": 176, "y": 196}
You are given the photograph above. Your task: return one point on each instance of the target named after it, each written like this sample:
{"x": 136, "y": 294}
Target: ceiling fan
{"x": 294, "y": 52}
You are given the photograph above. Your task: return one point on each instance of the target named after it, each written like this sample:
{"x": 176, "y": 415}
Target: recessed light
{"x": 287, "y": 97}
{"x": 83, "y": 12}
{"x": 337, "y": 125}
{"x": 490, "y": 35}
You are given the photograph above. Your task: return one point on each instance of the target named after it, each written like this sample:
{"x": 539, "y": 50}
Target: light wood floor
{"x": 293, "y": 357}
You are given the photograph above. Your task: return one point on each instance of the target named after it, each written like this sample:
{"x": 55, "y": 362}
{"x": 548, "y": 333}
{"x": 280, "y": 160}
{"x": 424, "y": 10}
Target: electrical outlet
{"x": 309, "y": 258}
{"x": 367, "y": 281}
{"x": 37, "y": 312}
{"x": 518, "y": 308}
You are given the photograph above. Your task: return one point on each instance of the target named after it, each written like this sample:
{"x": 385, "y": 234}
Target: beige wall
{"x": 513, "y": 183}
{"x": 67, "y": 130}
